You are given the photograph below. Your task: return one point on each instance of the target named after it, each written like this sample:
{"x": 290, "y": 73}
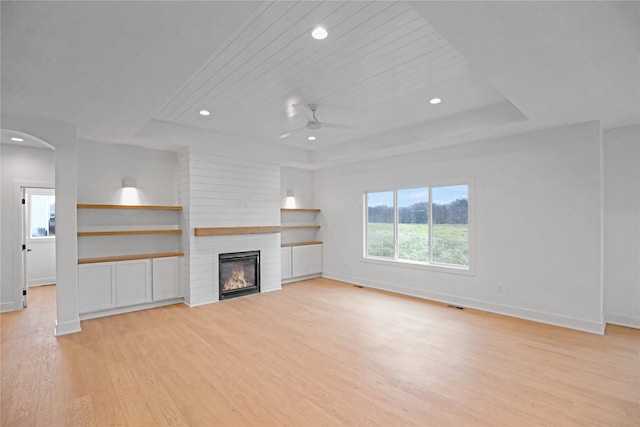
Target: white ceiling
{"x": 139, "y": 72}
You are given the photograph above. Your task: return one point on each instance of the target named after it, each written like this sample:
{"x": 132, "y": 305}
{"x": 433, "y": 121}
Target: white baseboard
{"x": 10, "y": 306}
{"x": 298, "y": 279}
{"x": 507, "y": 310}
{"x": 67, "y": 328}
{"x": 264, "y": 291}
{"x": 198, "y": 304}
{"x": 623, "y": 320}
{"x": 121, "y": 310}
{"x": 42, "y": 282}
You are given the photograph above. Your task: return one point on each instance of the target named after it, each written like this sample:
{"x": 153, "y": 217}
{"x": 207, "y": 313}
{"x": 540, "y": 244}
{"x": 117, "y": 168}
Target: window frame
{"x": 29, "y": 212}
{"x": 430, "y": 264}
{"x": 366, "y": 222}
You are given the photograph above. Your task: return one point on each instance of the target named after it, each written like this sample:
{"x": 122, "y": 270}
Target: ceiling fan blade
{"x": 289, "y": 133}
{"x": 305, "y": 110}
{"x": 337, "y": 126}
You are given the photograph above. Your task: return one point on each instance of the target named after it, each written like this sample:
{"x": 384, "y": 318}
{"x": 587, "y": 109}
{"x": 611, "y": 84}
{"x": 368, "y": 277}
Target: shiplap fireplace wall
{"x": 218, "y": 191}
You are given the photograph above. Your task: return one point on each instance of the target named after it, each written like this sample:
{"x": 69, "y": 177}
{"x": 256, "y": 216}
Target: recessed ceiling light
{"x": 17, "y": 139}
{"x": 204, "y": 112}
{"x": 311, "y": 138}
{"x": 435, "y": 101}
{"x": 319, "y": 33}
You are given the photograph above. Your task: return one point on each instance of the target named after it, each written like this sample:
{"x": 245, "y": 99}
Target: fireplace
{"x": 239, "y": 274}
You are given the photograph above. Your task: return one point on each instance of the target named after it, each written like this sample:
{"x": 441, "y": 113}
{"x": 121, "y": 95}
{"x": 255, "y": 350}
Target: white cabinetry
{"x": 96, "y": 287}
{"x": 306, "y": 260}
{"x": 106, "y": 288}
{"x": 301, "y": 253}
{"x": 129, "y": 258}
{"x": 133, "y": 282}
{"x": 166, "y": 278}
{"x": 285, "y": 258}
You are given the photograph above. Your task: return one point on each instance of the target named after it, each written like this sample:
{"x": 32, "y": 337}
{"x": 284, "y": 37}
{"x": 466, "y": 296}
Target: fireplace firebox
{"x": 239, "y": 274}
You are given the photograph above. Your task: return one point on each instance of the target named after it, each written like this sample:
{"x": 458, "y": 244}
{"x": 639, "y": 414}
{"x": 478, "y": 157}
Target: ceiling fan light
{"x": 319, "y": 33}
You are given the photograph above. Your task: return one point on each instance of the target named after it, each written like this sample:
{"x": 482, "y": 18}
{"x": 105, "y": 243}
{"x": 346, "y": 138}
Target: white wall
{"x": 622, "y": 226}
{"x": 299, "y": 180}
{"x": 536, "y": 212}
{"x": 20, "y": 165}
{"x": 219, "y": 191}
{"x": 101, "y": 168}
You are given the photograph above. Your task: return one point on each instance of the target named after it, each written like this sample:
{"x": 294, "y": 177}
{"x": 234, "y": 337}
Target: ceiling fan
{"x": 313, "y": 123}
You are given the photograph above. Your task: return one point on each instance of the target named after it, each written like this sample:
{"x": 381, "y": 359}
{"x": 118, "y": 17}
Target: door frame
{"x": 19, "y": 256}
{"x": 33, "y": 243}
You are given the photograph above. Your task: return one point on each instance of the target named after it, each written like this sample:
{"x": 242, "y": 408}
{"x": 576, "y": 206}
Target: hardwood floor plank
{"x": 135, "y": 410}
{"x": 317, "y": 353}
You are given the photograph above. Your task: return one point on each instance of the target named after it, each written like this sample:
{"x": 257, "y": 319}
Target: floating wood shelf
{"x": 229, "y": 231}
{"x": 299, "y": 210}
{"x": 146, "y": 207}
{"x": 126, "y": 232}
{"x": 129, "y": 257}
{"x": 286, "y": 245}
{"x": 300, "y": 227}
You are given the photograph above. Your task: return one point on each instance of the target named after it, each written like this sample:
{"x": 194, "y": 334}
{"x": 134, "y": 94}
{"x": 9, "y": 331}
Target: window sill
{"x": 465, "y": 271}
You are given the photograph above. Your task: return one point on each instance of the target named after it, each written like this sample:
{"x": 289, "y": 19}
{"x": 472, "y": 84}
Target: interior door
{"x": 40, "y": 237}
{"x": 23, "y": 256}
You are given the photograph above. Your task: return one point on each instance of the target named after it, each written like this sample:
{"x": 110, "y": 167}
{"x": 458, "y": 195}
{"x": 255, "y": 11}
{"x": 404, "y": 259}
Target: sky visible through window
{"x": 380, "y": 199}
{"x": 410, "y": 196}
{"x": 444, "y": 195}
{"x": 441, "y": 195}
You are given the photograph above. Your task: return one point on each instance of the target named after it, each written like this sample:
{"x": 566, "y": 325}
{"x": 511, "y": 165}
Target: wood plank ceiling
{"x": 375, "y": 51}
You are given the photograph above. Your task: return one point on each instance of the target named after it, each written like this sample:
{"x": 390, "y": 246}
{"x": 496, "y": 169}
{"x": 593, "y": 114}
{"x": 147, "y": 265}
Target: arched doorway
{"x": 62, "y": 138}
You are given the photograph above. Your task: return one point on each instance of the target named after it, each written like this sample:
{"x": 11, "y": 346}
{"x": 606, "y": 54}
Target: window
{"x": 450, "y": 213}
{"x": 413, "y": 224}
{"x": 42, "y": 214}
{"x": 380, "y": 219}
{"x": 427, "y": 225}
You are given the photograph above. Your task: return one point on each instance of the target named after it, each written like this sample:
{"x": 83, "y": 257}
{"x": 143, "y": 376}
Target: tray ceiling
{"x": 139, "y": 72}
{"x": 376, "y": 52}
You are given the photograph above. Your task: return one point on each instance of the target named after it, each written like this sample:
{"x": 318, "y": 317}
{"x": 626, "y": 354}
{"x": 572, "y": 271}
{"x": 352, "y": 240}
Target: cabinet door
{"x": 133, "y": 282}
{"x": 166, "y": 278}
{"x": 285, "y": 259}
{"x": 96, "y": 287}
{"x": 306, "y": 260}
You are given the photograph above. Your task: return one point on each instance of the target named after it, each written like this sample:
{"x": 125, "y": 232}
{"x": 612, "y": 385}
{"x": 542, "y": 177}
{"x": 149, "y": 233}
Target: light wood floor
{"x": 316, "y": 353}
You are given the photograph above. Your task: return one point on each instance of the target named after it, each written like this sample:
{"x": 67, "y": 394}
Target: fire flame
{"x": 237, "y": 280}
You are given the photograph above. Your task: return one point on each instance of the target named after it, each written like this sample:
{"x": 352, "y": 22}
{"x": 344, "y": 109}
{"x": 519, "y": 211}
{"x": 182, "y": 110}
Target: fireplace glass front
{"x": 239, "y": 274}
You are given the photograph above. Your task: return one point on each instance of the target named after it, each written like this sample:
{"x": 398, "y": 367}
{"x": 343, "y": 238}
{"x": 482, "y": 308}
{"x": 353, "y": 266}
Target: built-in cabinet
{"x": 96, "y": 287}
{"x": 105, "y": 286}
{"x": 133, "y": 282}
{"x": 128, "y": 259}
{"x": 166, "y": 278}
{"x": 285, "y": 259}
{"x": 306, "y": 260}
{"x": 301, "y": 251}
